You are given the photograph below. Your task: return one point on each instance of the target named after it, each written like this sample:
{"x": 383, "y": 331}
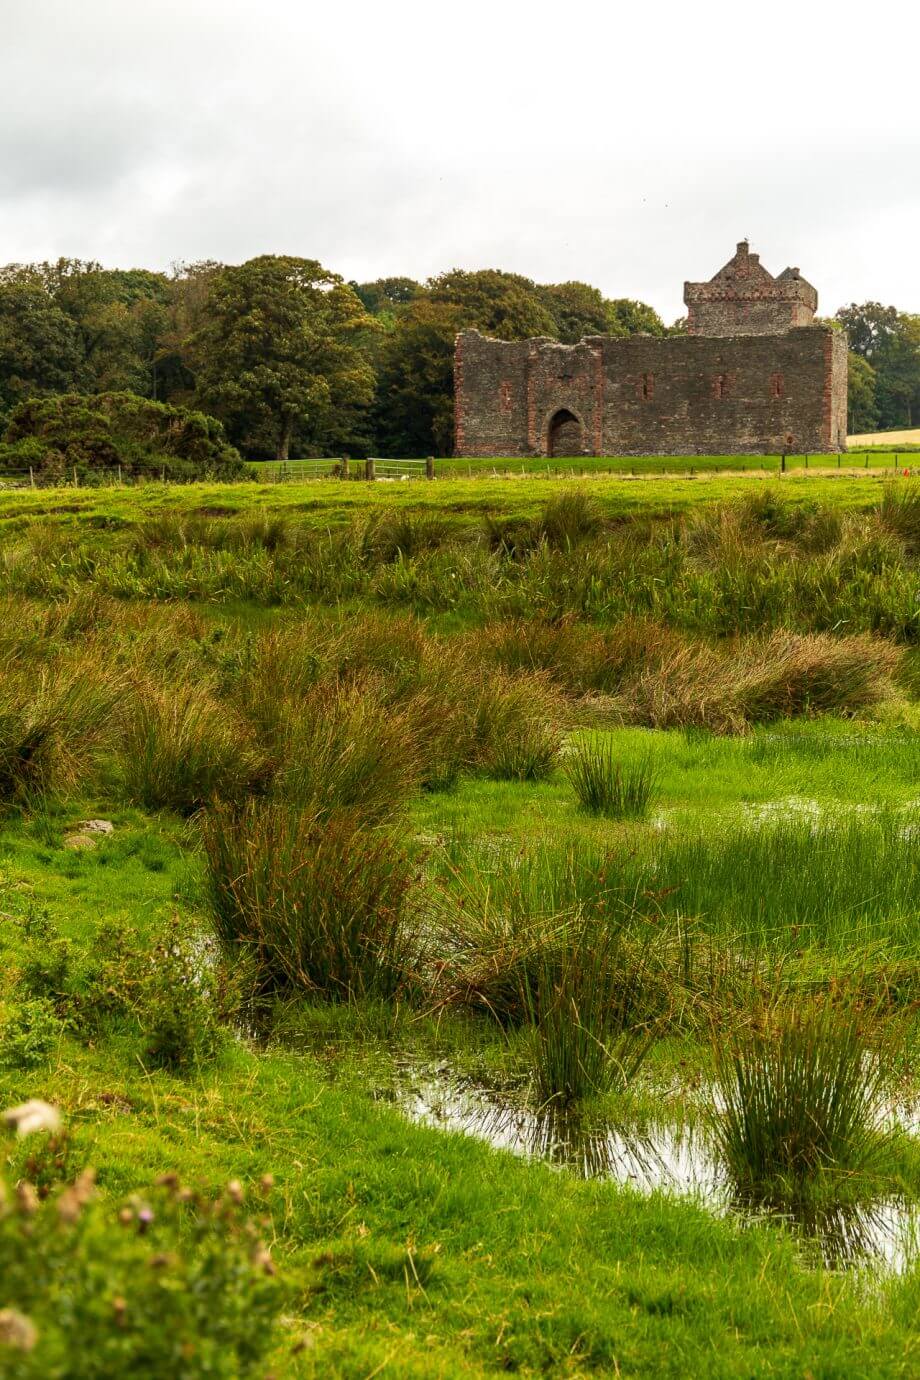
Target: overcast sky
{"x": 627, "y": 145}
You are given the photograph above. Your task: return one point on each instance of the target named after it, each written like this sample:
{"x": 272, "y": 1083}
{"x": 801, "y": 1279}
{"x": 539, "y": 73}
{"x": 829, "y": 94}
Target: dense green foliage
{"x": 281, "y": 350}
{"x": 104, "y": 432}
{"x": 884, "y": 366}
{"x": 293, "y": 360}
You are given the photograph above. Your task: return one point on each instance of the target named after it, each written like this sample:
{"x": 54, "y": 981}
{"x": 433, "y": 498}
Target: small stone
{"x": 96, "y": 826}
{"x": 79, "y": 841}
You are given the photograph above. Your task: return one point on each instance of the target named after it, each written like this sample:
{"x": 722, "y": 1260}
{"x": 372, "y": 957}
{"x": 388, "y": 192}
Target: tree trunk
{"x": 284, "y": 439}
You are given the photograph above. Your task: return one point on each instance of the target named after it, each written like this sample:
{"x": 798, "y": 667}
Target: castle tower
{"x": 744, "y": 299}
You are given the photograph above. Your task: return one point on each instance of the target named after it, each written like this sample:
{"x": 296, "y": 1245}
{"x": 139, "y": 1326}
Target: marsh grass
{"x": 606, "y": 786}
{"x": 386, "y": 537}
{"x": 569, "y": 518}
{"x": 726, "y": 898}
{"x": 317, "y": 905}
{"x": 764, "y": 564}
{"x": 182, "y": 748}
{"x": 344, "y": 750}
{"x": 802, "y": 1092}
{"x": 582, "y": 996}
{"x": 55, "y": 720}
{"x": 899, "y": 513}
{"x": 514, "y": 737}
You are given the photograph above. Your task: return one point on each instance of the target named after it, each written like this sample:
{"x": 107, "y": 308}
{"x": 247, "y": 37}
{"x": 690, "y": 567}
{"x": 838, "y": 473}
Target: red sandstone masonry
{"x": 598, "y": 401}
{"x": 459, "y": 398}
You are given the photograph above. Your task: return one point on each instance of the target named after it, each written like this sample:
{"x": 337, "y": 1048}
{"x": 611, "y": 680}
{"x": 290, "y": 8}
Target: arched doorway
{"x": 565, "y": 434}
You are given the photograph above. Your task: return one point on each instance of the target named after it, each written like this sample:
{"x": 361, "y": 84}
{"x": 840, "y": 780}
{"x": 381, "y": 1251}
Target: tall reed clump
{"x": 582, "y": 997}
{"x": 607, "y": 786}
{"x": 569, "y": 518}
{"x": 540, "y": 942}
{"x": 342, "y": 749}
{"x": 54, "y": 721}
{"x": 182, "y": 748}
{"x": 580, "y": 659}
{"x": 756, "y": 680}
{"x": 899, "y": 513}
{"x": 801, "y": 1092}
{"x": 514, "y": 736}
{"x": 317, "y": 905}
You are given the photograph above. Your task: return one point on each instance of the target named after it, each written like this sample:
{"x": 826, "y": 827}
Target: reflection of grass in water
{"x": 583, "y": 1000}
{"x": 840, "y": 1235}
{"x": 841, "y": 1223}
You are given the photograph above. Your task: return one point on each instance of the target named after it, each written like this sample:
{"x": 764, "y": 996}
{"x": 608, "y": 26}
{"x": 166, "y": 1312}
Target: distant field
{"x": 886, "y": 438}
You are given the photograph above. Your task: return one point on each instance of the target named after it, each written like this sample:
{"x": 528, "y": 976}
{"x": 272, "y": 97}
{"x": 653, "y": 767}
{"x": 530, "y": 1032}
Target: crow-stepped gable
{"x": 744, "y": 299}
{"x": 753, "y": 375}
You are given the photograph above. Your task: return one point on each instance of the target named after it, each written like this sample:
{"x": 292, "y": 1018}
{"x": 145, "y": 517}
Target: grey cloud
{"x": 385, "y": 140}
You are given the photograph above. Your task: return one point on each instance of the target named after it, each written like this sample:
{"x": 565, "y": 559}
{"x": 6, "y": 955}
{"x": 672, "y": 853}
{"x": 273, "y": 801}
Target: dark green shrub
{"x": 106, "y": 430}
{"x": 29, "y": 1033}
{"x": 182, "y": 996}
{"x": 315, "y": 904}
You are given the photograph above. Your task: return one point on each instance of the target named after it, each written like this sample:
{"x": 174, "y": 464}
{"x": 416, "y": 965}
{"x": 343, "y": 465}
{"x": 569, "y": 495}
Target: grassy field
{"x": 331, "y": 503}
{"x": 878, "y": 453}
{"x": 591, "y": 805}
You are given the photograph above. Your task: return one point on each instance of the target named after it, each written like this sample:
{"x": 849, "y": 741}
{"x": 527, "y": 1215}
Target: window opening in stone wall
{"x": 720, "y": 386}
{"x": 648, "y": 386}
{"x": 505, "y": 393}
{"x": 777, "y": 386}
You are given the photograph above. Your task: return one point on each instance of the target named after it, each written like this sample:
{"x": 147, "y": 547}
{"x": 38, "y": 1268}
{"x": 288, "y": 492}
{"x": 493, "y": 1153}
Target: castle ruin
{"x": 753, "y": 375}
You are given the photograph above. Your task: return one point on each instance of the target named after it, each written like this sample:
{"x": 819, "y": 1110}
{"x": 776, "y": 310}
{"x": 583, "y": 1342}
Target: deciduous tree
{"x": 276, "y": 348}
{"x": 41, "y": 350}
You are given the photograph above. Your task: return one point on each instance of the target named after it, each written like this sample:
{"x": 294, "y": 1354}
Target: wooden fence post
{"x": 369, "y": 468}
{"x": 429, "y": 467}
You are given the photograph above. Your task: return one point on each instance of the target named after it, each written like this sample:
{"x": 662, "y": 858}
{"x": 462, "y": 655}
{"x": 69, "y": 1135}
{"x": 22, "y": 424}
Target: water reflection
{"x": 666, "y": 1157}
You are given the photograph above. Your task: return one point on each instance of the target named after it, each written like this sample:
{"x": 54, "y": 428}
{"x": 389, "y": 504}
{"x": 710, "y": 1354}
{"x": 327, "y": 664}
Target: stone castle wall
{"x": 644, "y": 395}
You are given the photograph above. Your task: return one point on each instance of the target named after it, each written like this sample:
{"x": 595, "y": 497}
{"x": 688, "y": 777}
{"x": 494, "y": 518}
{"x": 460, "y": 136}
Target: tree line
{"x": 293, "y": 360}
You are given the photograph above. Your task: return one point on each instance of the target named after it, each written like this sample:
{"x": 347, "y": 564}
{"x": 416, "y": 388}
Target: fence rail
{"x": 401, "y": 469}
